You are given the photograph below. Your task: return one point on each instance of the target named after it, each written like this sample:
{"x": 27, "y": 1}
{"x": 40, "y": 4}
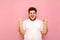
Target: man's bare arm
{"x": 21, "y": 31}
{"x": 45, "y": 28}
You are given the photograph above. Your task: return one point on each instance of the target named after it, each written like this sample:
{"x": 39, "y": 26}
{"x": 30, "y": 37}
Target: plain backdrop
{"x": 11, "y": 10}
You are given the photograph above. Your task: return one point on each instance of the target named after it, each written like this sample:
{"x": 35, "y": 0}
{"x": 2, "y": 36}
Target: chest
{"x": 33, "y": 25}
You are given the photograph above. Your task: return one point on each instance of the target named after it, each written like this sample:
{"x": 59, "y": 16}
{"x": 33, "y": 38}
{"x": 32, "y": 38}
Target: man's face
{"x": 32, "y": 15}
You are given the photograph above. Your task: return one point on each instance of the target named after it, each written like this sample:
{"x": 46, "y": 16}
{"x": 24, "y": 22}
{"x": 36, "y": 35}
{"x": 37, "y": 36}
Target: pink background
{"x": 11, "y": 10}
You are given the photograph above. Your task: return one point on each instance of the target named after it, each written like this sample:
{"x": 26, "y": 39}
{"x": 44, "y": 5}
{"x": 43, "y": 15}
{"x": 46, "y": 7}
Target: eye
{"x": 30, "y": 13}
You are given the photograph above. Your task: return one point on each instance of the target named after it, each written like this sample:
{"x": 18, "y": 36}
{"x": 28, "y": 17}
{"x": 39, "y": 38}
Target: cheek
{"x": 35, "y": 15}
{"x": 29, "y": 15}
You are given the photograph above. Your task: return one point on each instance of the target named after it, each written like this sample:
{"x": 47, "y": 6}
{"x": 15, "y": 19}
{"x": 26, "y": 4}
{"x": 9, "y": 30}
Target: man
{"x": 33, "y": 28}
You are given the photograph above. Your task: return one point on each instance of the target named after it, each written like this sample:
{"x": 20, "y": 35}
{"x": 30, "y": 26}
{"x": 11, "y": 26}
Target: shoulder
{"x": 40, "y": 21}
{"x": 26, "y": 20}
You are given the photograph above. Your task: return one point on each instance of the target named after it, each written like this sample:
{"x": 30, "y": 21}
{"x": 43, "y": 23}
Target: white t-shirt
{"x": 33, "y": 29}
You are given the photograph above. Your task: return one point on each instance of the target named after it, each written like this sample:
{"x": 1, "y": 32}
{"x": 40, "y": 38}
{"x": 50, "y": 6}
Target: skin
{"x": 32, "y": 16}
{"x": 45, "y": 29}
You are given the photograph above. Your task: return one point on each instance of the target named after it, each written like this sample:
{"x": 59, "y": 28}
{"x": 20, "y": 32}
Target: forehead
{"x": 32, "y": 11}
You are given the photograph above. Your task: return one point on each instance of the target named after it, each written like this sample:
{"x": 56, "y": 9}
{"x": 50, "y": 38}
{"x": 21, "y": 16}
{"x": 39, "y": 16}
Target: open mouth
{"x": 32, "y": 16}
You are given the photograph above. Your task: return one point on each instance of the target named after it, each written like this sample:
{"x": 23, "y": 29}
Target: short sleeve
{"x": 41, "y": 26}
{"x": 24, "y": 25}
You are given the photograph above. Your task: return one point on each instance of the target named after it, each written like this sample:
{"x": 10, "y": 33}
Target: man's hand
{"x": 20, "y": 21}
{"x": 45, "y": 20}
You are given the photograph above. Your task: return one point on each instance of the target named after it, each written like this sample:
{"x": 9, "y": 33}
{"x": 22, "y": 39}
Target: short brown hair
{"x": 32, "y": 8}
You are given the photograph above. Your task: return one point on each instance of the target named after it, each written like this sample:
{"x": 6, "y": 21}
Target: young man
{"x": 33, "y": 28}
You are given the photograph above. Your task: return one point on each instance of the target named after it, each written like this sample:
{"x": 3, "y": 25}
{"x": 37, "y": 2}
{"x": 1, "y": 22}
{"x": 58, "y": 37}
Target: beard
{"x": 32, "y": 19}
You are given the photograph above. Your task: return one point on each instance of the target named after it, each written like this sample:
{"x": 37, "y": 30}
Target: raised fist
{"x": 45, "y": 20}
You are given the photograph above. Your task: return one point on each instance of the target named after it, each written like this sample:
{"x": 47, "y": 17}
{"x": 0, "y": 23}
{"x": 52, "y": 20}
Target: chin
{"x": 32, "y": 19}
